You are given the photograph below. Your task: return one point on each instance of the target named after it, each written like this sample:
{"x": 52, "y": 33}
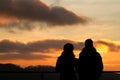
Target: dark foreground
{"x": 48, "y": 76}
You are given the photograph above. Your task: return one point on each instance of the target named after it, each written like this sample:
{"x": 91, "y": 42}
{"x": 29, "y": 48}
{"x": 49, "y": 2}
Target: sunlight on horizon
{"x": 32, "y": 32}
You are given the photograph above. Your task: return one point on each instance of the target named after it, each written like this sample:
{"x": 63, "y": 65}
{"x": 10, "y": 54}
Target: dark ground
{"x": 47, "y": 76}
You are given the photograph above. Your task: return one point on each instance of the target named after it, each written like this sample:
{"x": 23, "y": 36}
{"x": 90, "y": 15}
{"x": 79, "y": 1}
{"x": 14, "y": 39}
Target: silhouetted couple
{"x": 89, "y": 66}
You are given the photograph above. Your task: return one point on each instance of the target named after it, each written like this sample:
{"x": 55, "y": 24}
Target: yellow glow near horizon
{"x": 102, "y": 48}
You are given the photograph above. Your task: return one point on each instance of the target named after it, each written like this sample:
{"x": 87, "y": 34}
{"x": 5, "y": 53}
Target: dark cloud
{"x": 21, "y": 25}
{"x": 45, "y": 46}
{"x": 36, "y": 10}
{"x": 18, "y": 50}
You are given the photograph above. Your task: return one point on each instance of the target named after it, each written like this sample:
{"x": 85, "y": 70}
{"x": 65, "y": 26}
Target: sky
{"x": 33, "y": 32}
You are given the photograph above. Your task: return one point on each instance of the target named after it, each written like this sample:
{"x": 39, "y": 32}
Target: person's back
{"x": 65, "y": 64}
{"x": 90, "y": 62}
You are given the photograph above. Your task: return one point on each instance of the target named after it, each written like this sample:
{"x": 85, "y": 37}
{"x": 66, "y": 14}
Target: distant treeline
{"x": 16, "y": 68}
{"x": 16, "y": 72}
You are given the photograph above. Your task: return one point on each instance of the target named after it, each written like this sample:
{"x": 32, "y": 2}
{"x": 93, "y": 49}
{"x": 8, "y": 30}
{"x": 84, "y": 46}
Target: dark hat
{"x": 68, "y": 46}
{"x": 88, "y": 42}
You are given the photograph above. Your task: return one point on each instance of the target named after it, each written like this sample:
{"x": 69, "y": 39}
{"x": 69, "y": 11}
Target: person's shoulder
{"x": 59, "y": 58}
{"x": 76, "y": 59}
{"x": 98, "y": 54}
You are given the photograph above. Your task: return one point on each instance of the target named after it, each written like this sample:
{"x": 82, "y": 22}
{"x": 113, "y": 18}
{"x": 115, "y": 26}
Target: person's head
{"x": 68, "y": 50}
{"x": 68, "y": 47}
{"x": 88, "y": 43}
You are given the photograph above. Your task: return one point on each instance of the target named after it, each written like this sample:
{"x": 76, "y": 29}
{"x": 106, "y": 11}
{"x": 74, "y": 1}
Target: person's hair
{"x": 68, "y": 47}
{"x": 88, "y": 43}
{"x": 68, "y": 50}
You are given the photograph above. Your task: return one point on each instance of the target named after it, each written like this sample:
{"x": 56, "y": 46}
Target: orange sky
{"x": 110, "y": 54}
{"x": 33, "y": 32}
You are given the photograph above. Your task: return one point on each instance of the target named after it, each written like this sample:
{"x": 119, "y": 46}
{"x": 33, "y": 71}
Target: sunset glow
{"x": 33, "y": 32}
{"x": 102, "y": 48}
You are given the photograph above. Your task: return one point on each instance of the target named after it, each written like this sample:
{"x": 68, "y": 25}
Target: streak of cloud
{"x": 36, "y": 10}
{"x": 10, "y": 50}
{"x": 45, "y": 46}
{"x": 18, "y": 50}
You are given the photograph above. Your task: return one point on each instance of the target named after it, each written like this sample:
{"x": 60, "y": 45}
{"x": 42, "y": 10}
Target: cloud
{"x": 10, "y": 50}
{"x": 45, "y": 46}
{"x": 21, "y": 25}
{"x": 18, "y": 50}
{"x": 36, "y": 10}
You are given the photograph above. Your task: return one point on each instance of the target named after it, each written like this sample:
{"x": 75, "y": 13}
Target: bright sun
{"x": 102, "y": 48}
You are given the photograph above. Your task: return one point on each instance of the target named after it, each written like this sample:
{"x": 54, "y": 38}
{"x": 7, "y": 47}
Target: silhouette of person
{"x": 90, "y": 62}
{"x": 65, "y": 63}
